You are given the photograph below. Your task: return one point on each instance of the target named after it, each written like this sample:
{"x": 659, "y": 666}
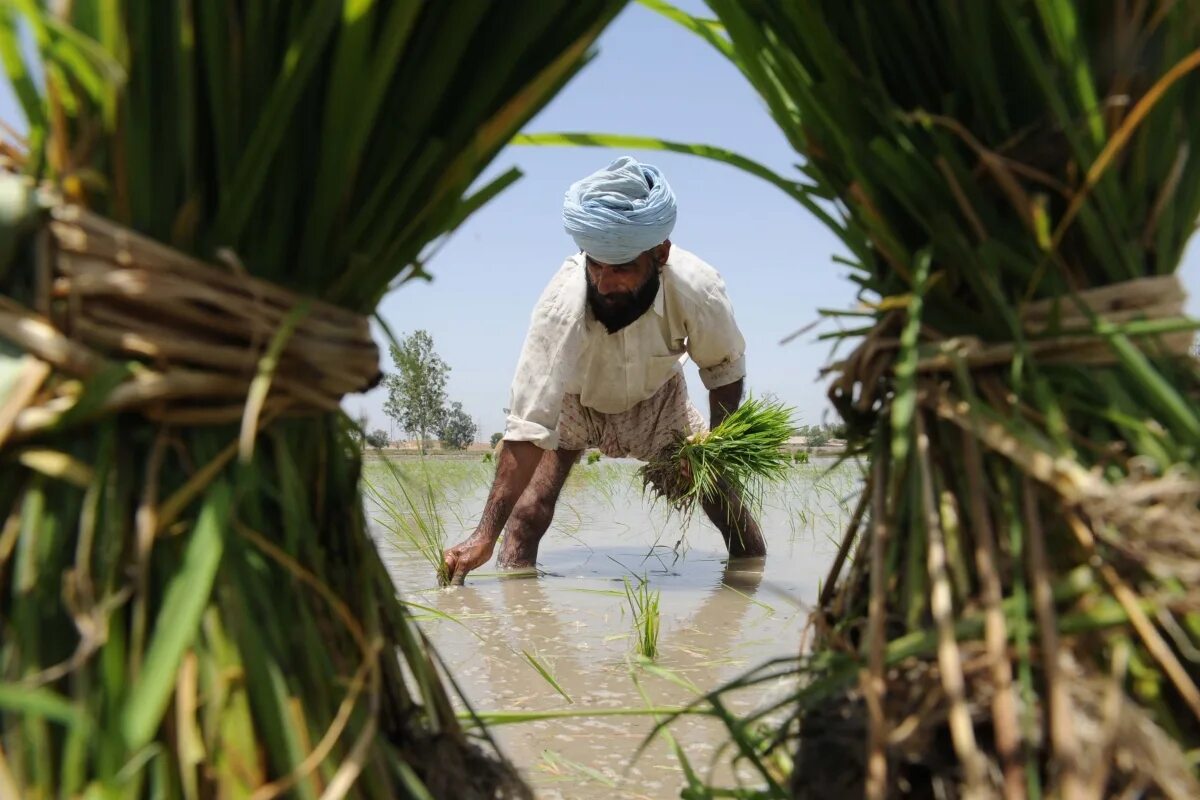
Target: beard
{"x": 616, "y": 311}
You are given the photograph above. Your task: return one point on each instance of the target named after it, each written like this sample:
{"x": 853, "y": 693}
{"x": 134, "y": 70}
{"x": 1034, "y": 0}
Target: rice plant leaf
{"x": 709, "y": 30}
{"x": 904, "y": 402}
{"x": 86, "y": 60}
{"x": 260, "y": 385}
{"x": 33, "y": 528}
{"x": 21, "y": 78}
{"x": 555, "y": 763}
{"x": 1165, "y": 396}
{"x": 352, "y": 109}
{"x": 94, "y": 393}
{"x": 490, "y": 718}
{"x": 41, "y": 702}
{"x": 719, "y": 154}
{"x": 544, "y": 671}
{"x": 669, "y": 675}
{"x": 178, "y": 620}
{"x": 412, "y": 782}
{"x": 58, "y": 465}
{"x": 253, "y": 165}
{"x": 480, "y": 198}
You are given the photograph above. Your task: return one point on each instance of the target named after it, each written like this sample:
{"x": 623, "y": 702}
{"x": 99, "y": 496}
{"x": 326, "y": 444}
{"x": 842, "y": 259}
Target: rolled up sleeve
{"x": 715, "y": 342}
{"x": 551, "y": 350}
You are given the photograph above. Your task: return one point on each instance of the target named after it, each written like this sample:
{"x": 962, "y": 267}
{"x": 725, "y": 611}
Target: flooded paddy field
{"x": 564, "y": 639}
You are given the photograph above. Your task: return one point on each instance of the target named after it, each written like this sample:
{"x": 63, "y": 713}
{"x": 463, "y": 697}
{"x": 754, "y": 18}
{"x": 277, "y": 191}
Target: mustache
{"x": 618, "y": 310}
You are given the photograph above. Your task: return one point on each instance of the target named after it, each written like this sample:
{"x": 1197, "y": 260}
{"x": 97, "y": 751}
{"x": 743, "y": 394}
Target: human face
{"x": 619, "y": 294}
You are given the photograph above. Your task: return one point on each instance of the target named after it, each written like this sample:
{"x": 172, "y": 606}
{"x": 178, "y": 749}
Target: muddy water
{"x": 717, "y": 620}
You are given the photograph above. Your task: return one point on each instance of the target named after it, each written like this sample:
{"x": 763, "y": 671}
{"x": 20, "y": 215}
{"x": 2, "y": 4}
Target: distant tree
{"x": 496, "y": 437}
{"x": 417, "y": 391}
{"x": 458, "y": 429}
{"x": 377, "y": 438}
{"x": 360, "y": 428}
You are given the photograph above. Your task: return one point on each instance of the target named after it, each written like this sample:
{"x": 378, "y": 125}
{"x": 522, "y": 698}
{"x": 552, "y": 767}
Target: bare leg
{"x": 737, "y": 525}
{"x": 535, "y": 510}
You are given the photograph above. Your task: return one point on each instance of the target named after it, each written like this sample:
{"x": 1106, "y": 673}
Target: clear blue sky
{"x": 650, "y": 78}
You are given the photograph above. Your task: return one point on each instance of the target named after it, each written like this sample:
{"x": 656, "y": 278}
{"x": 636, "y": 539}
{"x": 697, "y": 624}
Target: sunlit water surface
{"x": 717, "y": 619}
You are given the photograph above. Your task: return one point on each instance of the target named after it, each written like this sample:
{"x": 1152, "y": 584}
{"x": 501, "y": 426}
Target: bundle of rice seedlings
{"x": 217, "y": 196}
{"x": 741, "y": 455}
{"x": 1014, "y": 606}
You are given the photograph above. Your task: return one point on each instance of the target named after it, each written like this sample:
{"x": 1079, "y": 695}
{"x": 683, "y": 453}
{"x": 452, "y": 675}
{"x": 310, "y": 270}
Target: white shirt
{"x": 569, "y": 351}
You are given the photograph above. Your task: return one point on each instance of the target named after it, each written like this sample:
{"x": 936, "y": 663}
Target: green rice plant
{"x": 411, "y": 513}
{"x": 482, "y": 719}
{"x": 190, "y": 602}
{"x": 644, "y": 606}
{"x": 606, "y": 480}
{"x": 542, "y": 669}
{"x": 740, "y": 455}
{"x": 560, "y": 766}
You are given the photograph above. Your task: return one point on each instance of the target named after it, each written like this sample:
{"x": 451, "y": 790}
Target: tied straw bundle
{"x": 217, "y": 196}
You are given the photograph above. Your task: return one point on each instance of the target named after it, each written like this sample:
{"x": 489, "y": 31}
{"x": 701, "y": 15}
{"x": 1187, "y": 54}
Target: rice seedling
{"x": 411, "y": 514}
{"x": 645, "y": 665}
{"x": 559, "y": 765}
{"x": 1015, "y": 188}
{"x": 644, "y": 606}
{"x": 604, "y": 592}
{"x": 765, "y": 606}
{"x": 542, "y": 669}
{"x": 740, "y": 455}
{"x": 190, "y": 603}
{"x": 493, "y": 718}
{"x": 753, "y": 741}
{"x": 608, "y": 481}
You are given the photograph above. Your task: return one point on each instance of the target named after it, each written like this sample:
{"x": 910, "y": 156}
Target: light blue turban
{"x": 620, "y": 212}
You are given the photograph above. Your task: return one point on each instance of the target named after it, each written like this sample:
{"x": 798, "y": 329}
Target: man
{"x": 601, "y": 364}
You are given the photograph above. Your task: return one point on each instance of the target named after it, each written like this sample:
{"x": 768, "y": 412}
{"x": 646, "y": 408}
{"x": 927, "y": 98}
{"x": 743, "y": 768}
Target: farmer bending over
{"x": 601, "y": 364}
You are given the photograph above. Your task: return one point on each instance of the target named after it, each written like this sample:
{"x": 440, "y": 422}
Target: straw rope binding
{"x": 192, "y": 336}
{"x": 1070, "y": 329}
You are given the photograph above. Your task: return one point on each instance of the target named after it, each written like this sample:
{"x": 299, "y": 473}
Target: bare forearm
{"x": 723, "y": 401}
{"x": 518, "y": 460}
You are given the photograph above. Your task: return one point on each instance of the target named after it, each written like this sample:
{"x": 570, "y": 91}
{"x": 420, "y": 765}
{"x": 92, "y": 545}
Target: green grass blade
{"x": 178, "y": 620}
{"x": 544, "y": 671}
{"x": 709, "y": 30}
{"x": 253, "y": 166}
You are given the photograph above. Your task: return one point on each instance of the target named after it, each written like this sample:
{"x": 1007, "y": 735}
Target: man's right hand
{"x": 471, "y": 553}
